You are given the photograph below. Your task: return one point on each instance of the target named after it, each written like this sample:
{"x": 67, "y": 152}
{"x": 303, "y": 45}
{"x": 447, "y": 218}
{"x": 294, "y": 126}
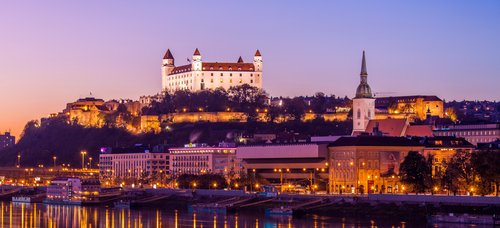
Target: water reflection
{"x": 53, "y": 216}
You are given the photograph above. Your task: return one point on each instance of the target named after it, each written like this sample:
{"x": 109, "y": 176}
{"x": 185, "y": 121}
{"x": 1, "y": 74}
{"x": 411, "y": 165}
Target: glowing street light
{"x": 54, "y": 158}
{"x": 83, "y": 153}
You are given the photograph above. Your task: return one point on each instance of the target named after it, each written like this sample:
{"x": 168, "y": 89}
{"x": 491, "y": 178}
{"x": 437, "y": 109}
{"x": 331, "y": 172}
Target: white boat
{"x": 21, "y": 199}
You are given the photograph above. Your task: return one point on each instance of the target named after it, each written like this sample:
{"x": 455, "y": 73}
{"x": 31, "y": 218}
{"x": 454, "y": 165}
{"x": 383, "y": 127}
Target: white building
{"x": 363, "y": 105}
{"x": 201, "y": 159}
{"x": 201, "y": 75}
{"x": 133, "y": 163}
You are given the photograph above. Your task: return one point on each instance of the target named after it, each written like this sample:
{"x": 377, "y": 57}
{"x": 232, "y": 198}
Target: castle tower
{"x": 196, "y": 63}
{"x": 167, "y": 65}
{"x": 257, "y": 61}
{"x": 363, "y": 105}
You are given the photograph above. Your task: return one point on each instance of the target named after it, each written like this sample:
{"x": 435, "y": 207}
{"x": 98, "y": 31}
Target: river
{"x": 41, "y": 215}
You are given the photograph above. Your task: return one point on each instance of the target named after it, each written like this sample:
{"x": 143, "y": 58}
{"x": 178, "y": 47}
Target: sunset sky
{"x": 54, "y": 52}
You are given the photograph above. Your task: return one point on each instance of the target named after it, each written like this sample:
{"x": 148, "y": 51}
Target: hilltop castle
{"x": 201, "y": 75}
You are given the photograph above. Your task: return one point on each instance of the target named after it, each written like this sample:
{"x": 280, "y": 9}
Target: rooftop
{"x": 373, "y": 141}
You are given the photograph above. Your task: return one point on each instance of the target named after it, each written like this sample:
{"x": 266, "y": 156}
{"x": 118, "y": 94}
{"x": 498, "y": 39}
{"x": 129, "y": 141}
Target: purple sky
{"x": 54, "y": 52}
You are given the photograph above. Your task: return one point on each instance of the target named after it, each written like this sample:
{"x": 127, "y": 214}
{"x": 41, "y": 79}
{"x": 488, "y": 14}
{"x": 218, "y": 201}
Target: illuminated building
{"x": 132, "y": 163}
{"x": 474, "y": 133}
{"x": 442, "y": 148}
{"x": 368, "y": 163}
{"x": 7, "y": 140}
{"x": 67, "y": 190}
{"x": 293, "y": 164}
{"x": 200, "y": 158}
{"x": 200, "y": 75}
{"x": 412, "y": 107}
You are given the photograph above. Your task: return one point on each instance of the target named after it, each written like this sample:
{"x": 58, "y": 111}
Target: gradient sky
{"x": 54, "y": 52}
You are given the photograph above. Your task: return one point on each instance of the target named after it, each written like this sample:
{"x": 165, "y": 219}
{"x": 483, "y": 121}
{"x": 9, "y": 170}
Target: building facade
{"x": 289, "y": 166}
{"x": 200, "y": 75}
{"x": 132, "y": 163}
{"x": 363, "y": 109}
{"x": 200, "y": 159}
{"x": 442, "y": 148}
{"x": 7, "y": 140}
{"x": 412, "y": 107}
{"x": 474, "y": 133}
{"x": 368, "y": 164}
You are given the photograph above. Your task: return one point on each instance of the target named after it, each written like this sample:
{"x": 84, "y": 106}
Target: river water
{"x": 41, "y": 215}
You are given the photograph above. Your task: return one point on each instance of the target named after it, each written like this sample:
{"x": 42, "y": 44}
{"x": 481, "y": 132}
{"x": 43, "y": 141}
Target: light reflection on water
{"x": 53, "y": 216}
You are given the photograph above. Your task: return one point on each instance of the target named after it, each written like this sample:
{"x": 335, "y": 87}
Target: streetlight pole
{"x": 90, "y": 162}
{"x": 83, "y": 153}
{"x": 54, "y": 161}
{"x": 18, "y": 160}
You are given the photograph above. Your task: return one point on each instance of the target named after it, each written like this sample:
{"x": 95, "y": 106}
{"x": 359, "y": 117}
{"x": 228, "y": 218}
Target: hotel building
{"x": 200, "y": 75}
{"x": 132, "y": 163}
{"x": 201, "y": 159}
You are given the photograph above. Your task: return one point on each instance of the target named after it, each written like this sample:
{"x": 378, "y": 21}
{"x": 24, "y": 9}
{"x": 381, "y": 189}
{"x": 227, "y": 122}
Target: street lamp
{"x": 19, "y": 160}
{"x": 54, "y": 157}
{"x": 83, "y": 153}
{"x": 90, "y": 162}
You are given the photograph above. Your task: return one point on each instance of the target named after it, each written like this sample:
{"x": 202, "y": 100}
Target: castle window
{"x": 241, "y": 81}
{"x": 211, "y": 74}
{"x": 230, "y": 68}
{"x": 211, "y": 80}
{"x": 239, "y": 68}
{"x": 251, "y": 81}
{"x": 251, "y": 75}
{"x": 221, "y": 74}
{"x": 241, "y": 74}
{"x": 359, "y": 114}
{"x": 221, "y": 81}
{"x": 220, "y": 68}
{"x": 211, "y": 68}
{"x": 202, "y": 80}
{"x": 258, "y": 75}
{"x": 230, "y": 80}
{"x": 231, "y": 75}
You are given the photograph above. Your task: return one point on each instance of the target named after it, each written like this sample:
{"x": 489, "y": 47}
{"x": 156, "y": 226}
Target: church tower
{"x": 363, "y": 105}
{"x": 167, "y": 65}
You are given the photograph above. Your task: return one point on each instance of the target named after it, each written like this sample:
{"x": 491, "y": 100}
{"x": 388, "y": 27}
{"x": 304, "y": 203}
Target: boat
{"x": 463, "y": 219}
{"x": 122, "y": 204}
{"x": 279, "y": 211}
{"x": 21, "y": 199}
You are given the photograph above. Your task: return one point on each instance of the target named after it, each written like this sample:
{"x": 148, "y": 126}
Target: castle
{"x": 200, "y": 75}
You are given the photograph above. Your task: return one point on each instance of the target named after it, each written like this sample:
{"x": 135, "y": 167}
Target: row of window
{"x": 466, "y": 133}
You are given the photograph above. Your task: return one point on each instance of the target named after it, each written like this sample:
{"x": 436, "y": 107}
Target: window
{"x": 211, "y": 74}
{"x": 212, "y": 80}
{"x": 221, "y": 74}
{"x": 359, "y": 114}
{"x": 231, "y": 74}
{"x": 230, "y": 80}
{"x": 241, "y": 74}
{"x": 251, "y": 81}
{"x": 369, "y": 114}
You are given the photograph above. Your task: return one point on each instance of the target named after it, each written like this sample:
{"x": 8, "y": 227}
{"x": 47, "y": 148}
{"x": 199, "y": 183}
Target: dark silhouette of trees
{"x": 416, "y": 172}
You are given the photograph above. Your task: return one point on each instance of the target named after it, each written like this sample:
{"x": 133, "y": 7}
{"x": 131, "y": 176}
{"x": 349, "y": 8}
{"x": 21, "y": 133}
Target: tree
{"x": 416, "y": 172}
{"x": 485, "y": 162}
{"x": 460, "y": 173}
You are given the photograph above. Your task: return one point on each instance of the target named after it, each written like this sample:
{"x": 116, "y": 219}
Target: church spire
{"x": 364, "y": 90}
{"x": 363, "y": 65}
